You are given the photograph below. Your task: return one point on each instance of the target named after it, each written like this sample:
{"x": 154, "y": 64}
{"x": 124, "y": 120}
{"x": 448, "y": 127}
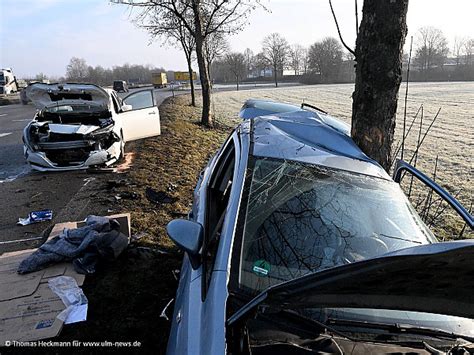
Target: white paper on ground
{"x": 72, "y": 296}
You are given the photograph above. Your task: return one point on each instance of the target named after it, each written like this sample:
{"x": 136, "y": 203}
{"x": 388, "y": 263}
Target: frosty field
{"x": 451, "y": 137}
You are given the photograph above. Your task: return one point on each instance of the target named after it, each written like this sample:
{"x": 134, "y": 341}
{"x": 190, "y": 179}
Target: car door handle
{"x": 152, "y": 113}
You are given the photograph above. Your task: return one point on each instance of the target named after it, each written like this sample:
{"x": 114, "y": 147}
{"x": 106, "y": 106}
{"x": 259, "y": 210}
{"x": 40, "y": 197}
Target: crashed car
{"x": 298, "y": 243}
{"x": 78, "y": 126}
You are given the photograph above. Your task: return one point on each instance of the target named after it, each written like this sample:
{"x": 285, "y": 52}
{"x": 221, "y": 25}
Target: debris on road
{"x": 163, "y": 312}
{"x": 73, "y": 298}
{"x": 36, "y": 217}
{"x": 159, "y": 197}
{"x": 137, "y": 236}
{"x": 88, "y": 180}
{"x": 126, "y": 195}
{"x": 84, "y": 243}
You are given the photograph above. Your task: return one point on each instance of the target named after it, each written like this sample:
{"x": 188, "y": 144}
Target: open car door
{"x": 402, "y": 166}
{"x": 140, "y": 116}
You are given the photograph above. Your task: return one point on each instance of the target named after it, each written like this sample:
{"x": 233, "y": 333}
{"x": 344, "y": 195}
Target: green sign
{"x": 261, "y": 267}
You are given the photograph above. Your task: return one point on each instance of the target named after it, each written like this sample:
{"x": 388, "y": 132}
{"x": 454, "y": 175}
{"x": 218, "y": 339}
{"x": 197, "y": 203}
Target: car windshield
{"x": 301, "y": 218}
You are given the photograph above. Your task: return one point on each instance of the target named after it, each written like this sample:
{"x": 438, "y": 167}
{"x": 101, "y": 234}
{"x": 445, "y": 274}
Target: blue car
{"x": 298, "y": 243}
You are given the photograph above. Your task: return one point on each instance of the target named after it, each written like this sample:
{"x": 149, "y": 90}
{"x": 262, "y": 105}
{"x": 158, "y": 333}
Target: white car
{"x": 82, "y": 125}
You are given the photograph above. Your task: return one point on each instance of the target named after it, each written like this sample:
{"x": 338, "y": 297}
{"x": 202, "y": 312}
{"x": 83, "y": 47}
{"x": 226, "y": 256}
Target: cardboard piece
{"x": 28, "y": 307}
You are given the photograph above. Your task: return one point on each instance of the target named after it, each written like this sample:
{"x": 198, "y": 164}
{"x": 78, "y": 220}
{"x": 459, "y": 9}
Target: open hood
{"x": 49, "y": 95}
{"x": 434, "y": 278}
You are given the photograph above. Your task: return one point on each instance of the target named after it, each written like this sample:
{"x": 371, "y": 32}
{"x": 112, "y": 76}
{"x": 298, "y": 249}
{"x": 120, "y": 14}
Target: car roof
{"x": 303, "y": 136}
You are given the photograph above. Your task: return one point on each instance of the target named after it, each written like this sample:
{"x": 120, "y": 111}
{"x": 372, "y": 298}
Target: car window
{"x": 140, "y": 100}
{"x": 302, "y": 218}
{"x": 218, "y": 193}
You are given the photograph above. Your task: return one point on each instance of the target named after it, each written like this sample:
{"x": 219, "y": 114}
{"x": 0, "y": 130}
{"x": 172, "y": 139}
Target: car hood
{"x": 434, "y": 278}
{"x": 49, "y": 95}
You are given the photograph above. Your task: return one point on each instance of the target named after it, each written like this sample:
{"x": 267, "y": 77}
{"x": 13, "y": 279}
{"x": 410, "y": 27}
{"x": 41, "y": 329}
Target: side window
{"x": 140, "y": 100}
{"x": 218, "y": 193}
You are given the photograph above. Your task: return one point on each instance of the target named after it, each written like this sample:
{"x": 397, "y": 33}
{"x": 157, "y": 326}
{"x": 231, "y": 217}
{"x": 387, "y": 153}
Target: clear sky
{"x": 42, "y": 35}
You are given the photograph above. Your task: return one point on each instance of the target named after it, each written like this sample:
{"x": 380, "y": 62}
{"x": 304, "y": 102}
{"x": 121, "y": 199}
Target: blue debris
{"x": 35, "y": 217}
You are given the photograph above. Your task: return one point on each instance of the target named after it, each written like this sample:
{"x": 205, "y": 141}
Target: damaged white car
{"x": 83, "y": 125}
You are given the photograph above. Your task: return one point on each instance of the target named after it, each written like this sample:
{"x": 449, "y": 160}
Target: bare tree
{"x": 378, "y": 54}
{"x": 201, "y": 18}
{"x": 77, "y": 70}
{"x": 166, "y": 25}
{"x": 432, "y": 48}
{"x": 296, "y": 58}
{"x": 215, "y": 47}
{"x": 261, "y": 63}
{"x": 276, "y": 50}
{"x": 325, "y": 58}
{"x": 249, "y": 61}
{"x": 304, "y": 60}
{"x": 236, "y": 64}
{"x": 469, "y": 51}
{"x": 459, "y": 44}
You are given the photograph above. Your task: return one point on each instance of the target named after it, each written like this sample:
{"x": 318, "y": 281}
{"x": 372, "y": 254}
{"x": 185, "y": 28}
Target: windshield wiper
{"x": 400, "y": 328}
{"x": 399, "y": 238}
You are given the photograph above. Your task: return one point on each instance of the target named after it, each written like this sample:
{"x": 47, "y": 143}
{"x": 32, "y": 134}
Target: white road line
{"x": 2, "y": 114}
{"x": 23, "y": 120}
{"x": 5, "y": 134}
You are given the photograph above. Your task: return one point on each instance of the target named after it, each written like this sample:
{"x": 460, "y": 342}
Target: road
{"x": 13, "y": 118}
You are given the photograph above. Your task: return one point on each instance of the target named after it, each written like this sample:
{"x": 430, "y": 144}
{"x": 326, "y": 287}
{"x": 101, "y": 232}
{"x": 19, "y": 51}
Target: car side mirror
{"x": 126, "y": 108}
{"x": 188, "y": 236}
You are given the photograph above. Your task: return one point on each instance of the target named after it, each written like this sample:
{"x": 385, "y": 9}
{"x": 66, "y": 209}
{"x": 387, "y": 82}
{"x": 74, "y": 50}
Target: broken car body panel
{"x": 83, "y": 125}
{"x": 47, "y": 95}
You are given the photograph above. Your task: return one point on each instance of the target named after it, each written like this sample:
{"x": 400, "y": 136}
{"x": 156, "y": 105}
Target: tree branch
{"x": 339, "y": 32}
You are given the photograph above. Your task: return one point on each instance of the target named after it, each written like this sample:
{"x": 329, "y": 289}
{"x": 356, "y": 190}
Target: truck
{"x": 8, "y": 84}
{"x": 159, "y": 79}
{"x": 183, "y": 75}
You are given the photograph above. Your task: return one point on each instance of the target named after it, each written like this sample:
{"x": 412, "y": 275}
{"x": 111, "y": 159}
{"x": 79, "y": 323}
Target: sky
{"x": 41, "y": 36}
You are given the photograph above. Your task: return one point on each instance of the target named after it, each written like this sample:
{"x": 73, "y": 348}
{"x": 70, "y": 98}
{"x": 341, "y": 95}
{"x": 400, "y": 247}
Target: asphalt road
{"x": 13, "y": 118}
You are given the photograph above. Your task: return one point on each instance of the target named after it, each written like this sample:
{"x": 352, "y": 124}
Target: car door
{"x": 463, "y": 213}
{"x": 195, "y": 310}
{"x": 142, "y": 119}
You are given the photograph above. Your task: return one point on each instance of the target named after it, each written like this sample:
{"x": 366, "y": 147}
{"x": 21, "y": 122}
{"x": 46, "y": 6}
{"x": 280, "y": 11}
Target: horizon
{"x": 54, "y": 31}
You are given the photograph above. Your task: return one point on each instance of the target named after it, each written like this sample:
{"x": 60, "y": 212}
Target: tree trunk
{"x": 191, "y": 82}
{"x": 378, "y": 76}
{"x": 206, "y": 118}
{"x": 275, "y": 76}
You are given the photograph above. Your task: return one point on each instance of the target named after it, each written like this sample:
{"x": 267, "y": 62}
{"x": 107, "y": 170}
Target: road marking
{"x": 23, "y": 120}
{"x": 5, "y": 134}
{"x": 2, "y": 114}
